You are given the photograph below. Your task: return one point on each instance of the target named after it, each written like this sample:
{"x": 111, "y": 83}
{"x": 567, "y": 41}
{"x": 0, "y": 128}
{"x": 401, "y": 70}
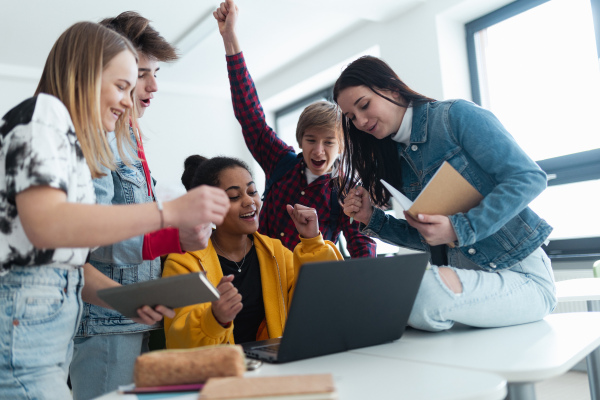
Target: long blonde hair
{"x": 73, "y": 74}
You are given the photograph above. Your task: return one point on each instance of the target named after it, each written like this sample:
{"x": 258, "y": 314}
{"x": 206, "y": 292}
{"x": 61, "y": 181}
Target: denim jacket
{"x": 502, "y": 230}
{"x": 122, "y": 262}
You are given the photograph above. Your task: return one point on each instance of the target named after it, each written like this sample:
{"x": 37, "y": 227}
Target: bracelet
{"x": 160, "y": 210}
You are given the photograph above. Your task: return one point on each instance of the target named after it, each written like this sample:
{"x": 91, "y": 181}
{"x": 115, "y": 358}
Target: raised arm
{"x": 226, "y": 16}
{"x": 264, "y": 144}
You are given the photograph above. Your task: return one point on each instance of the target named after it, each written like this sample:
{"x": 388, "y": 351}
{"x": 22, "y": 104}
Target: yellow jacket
{"x": 195, "y": 325}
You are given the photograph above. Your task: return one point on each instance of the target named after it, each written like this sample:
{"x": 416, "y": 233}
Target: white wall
{"x": 179, "y": 125}
{"x": 13, "y": 90}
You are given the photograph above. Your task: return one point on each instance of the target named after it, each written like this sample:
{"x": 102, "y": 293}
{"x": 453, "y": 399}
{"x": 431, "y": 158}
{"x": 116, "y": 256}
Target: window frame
{"x": 571, "y": 168}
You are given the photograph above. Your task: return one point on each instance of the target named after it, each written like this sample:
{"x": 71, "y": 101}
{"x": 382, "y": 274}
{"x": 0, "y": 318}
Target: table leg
{"x": 521, "y": 391}
{"x": 593, "y": 360}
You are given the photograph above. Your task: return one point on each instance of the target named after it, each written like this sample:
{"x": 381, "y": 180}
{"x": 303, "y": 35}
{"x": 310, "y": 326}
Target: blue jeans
{"x": 39, "y": 312}
{"x": 102, "y": 363}
{"x": 522, "y": 293}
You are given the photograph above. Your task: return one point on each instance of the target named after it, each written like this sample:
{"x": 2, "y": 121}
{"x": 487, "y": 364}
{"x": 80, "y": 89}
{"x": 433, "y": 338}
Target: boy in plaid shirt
{"x": 308, "y": 178}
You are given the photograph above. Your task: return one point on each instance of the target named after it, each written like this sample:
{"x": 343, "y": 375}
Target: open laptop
{"x": 338, "y": 306}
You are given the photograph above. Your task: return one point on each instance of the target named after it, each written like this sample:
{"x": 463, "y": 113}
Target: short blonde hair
{"x": 73, "y": 74}
{"x": 320, "y": 115}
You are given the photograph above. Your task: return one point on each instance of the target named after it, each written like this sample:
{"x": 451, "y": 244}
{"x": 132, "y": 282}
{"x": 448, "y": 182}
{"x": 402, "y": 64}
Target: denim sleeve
{"x": 517, "y": 178}
{"x": 126, "y": 252}
{"x": 393, "y": 231}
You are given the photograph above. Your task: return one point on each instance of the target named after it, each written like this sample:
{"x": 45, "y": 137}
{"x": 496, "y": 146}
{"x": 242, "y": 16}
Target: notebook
{"x": 296, "y": 387}
{"x": 344, "y": 305}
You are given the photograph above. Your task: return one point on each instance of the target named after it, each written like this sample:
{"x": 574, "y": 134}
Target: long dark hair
{"x": 366, "y": 159}
{"x": 198, "y": 170}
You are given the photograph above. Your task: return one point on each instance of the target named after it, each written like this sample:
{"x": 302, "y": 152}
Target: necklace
{"x": 240, "y": 265}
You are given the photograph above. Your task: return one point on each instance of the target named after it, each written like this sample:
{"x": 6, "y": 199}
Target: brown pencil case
{"x": 178, "y": 367}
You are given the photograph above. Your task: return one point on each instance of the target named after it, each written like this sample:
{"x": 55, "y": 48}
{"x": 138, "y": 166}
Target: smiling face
{"x": 118, "y": 81}
{"x": 320, "y": 148}
{"x": 146, "y": 82}
{"x": 242, "y": 217}
{"x": 370, "y": 112}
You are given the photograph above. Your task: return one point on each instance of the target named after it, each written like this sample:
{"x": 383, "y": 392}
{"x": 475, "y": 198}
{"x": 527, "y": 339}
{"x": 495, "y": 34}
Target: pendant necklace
{"x": 241, "y": 264}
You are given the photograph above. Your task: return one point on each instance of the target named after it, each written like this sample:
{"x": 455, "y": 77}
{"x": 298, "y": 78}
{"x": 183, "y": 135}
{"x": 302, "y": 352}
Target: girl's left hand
{"x": 150, "y": 316}
{"x": 305, "y": 219}
{"x": 436, "y": 229}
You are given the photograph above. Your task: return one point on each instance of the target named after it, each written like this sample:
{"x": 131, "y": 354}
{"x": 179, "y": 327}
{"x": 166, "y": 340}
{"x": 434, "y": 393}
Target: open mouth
{"x": 319, "y": 163}
{"x": 145, "y": 102}
{"x": 249, "y": 215}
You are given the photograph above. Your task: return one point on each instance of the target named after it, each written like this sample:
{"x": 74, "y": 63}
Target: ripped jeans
{"x": 517, "y": 295}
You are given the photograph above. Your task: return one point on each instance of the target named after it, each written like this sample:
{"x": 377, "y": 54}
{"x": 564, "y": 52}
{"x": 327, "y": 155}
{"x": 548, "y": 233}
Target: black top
{"x": 439, "y": 256}
{"x": 249, "y": 285}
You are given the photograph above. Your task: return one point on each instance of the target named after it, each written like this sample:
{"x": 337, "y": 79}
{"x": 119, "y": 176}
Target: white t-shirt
{"x": 38, "y": 147}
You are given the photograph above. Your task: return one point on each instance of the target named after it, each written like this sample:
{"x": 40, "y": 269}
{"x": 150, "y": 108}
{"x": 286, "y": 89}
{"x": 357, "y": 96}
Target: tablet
{"x": 173, "y": 292}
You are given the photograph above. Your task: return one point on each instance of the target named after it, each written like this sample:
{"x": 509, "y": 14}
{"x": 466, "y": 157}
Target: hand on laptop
{"x": 230, "y": 304}
{"x": 305, "y": 219}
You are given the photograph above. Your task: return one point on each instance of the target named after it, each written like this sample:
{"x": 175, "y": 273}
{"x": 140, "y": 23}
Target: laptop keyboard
{"x": 270, "y": 348}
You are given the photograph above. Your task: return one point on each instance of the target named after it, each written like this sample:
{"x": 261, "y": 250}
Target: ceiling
{"x": 273, "y": 33}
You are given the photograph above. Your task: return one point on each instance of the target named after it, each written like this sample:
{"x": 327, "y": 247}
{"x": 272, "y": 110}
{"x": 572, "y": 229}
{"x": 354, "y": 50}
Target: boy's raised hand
{"x": 305, "y": 219}
{"x": 226, "y": 16}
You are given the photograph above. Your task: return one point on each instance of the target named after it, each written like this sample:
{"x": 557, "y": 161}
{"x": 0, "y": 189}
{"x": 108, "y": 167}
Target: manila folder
{"x": 447, "y": 193}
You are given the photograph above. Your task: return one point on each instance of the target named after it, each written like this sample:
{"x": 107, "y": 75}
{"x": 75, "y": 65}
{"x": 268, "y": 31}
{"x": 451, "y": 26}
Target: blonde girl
{"x": 51, "y": 146}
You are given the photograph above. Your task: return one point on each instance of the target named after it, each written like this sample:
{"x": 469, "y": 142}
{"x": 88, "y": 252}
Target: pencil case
{"x": 185, "y": 366}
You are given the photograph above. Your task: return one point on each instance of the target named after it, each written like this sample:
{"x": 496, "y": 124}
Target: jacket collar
{"x": 210, "y": 252}
{"x": 419, "y": 124}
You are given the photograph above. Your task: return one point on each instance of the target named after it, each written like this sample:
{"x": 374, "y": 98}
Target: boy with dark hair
{"x": 107, "y": 344}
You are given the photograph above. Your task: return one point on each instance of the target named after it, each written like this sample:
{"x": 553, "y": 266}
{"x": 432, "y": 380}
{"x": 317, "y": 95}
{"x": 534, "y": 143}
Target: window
{"x": 534, "y": 64}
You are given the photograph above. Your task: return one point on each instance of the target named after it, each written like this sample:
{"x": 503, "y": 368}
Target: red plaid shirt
{"x": 267, "y": 148}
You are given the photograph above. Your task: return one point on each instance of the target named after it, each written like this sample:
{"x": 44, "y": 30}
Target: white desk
{"x": 588, "y": 290}
{"x": 584, "y": 289}
{"x": 360, "y": 377}
{"x": 523, "y": 354}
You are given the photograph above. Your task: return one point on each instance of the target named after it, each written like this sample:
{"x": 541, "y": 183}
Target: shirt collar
{"x": 403, "y": 134}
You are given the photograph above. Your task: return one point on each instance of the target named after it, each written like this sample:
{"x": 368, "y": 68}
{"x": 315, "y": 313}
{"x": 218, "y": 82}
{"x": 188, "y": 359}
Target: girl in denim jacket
{"x": 495, "y": 272}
